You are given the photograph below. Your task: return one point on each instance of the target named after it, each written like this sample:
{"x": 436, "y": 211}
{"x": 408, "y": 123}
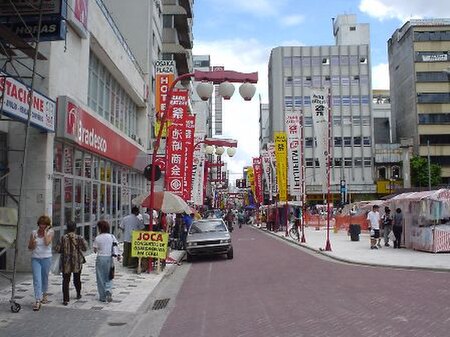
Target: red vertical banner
{"x": 175, "y": 146}
{"x": 189, "y": 151}
{"x": 257, "y": 172}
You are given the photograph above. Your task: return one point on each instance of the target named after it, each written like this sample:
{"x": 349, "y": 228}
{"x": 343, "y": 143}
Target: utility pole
{"x": 429, "y": 166}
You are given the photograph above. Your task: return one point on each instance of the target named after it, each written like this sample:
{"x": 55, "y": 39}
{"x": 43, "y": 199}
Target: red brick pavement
{"x": 273, "y": 289}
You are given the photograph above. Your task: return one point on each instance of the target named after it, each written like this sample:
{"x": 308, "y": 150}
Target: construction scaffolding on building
{"x": 21, "y": 24}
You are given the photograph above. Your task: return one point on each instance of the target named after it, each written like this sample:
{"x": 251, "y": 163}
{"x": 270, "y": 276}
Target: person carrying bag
{"x": 70, "y": 248}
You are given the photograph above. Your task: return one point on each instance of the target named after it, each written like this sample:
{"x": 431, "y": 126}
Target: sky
{"x": 239, "y": 35}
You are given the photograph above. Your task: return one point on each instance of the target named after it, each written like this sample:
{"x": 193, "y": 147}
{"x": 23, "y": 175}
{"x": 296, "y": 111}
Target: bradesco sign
{"x": 16, "y": 104}
{"x": 78, "y": 125}
{"x": 149, "y": 244}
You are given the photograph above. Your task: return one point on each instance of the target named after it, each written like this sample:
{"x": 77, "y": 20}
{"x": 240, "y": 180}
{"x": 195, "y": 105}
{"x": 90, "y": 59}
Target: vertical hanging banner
{"x": 281, "y": 158}
{"x": 265, "y": 158}
{"x": 176, "y": 139}
{"x": 165, "y": 75}
{"x": 257, "y": 172}
{"x": 319, "y": 110}
{"x": 198, "y": 170}
{"x": 251, "y": 179}
{"x": 272, "y": 160}
{"x": 292, "y": 120}
{"x": 189, "y": 156}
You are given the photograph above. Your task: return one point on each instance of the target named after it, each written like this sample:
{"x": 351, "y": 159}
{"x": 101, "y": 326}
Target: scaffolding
{"x": 18, "y": 60}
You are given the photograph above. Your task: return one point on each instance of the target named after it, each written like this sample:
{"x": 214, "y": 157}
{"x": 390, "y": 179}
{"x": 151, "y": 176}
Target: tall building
{"x": 345, "y": 69}
{"x": 84, "y": 165}
{"x": 419, "y": 67}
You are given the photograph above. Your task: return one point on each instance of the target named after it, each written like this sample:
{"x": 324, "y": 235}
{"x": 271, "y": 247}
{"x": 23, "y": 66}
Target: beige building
{"x": 419, "y": 67}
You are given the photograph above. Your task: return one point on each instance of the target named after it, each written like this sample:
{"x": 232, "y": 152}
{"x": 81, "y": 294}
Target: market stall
{"x": 426, "y": 219}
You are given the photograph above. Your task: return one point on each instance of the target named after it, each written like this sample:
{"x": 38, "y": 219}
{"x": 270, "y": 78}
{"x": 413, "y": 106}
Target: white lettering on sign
{"x": 89, "y": 137}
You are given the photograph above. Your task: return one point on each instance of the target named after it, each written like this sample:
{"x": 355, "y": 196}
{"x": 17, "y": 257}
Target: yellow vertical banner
{"x": 251, "y": 178}
{"x": 281, "y": 164}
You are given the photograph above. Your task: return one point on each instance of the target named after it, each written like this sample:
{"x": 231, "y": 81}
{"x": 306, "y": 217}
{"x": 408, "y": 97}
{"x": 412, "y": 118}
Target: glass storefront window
{"x": 95, "y": 171}
{"x": 78, "y": 157}
{"x": 57, "y": 202}
{"x": 114, "y": 200}
{"x": 102, "y": 170}
{"x": 108, "y": 200}
{"x": 68, "y": 198}
{"x": 58, "y": 158}
{"x": 78, "y": 201}
{"x": 87, "y": 165}
{"x": 95, "y": 202}
{"x": 108, "y": 173}
{"x": 68, "y": 160}
{"x": 87, "y": 201}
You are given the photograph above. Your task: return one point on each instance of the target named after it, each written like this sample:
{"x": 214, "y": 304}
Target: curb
{"x": 341, "y": 259}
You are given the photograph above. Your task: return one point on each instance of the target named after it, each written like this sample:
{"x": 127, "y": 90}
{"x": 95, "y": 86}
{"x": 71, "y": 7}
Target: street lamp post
{"x": 204, "y": 90}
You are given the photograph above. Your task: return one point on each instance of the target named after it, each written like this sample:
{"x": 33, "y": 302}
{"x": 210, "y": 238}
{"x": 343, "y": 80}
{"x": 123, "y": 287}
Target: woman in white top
{"x": 106, "y": 247}
{"x": 40, "y": 244}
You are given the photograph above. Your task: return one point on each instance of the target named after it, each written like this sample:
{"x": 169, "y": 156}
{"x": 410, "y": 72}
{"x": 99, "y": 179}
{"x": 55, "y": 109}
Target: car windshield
{"x": 207, "y": 226}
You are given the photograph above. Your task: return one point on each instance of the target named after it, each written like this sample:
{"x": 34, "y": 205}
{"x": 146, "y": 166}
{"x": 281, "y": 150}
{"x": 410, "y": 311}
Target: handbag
{"x": 112, "y": 270}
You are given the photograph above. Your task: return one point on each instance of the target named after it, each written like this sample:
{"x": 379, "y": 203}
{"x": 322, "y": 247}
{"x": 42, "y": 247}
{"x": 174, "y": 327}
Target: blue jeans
{"x": 40, "y": 269}
{"x": 104, "y": 284}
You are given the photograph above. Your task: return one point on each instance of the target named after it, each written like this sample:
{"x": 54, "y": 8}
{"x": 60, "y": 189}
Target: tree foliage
{"x": 419, "y": 172}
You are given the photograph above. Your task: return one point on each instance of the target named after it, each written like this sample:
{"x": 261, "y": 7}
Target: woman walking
{"x": 40, "y": 244}
{"x": 106, "y": 247}
{"x": 72, "y": 259}
{"x": 398, "y": 227}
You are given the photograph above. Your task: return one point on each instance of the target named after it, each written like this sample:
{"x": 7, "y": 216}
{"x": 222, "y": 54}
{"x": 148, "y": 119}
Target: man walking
{"x": 129, "y": 224}
{"x": 387, "y": 225}
{"x": 374, "y": 226}
{"x": 398, "y": 227}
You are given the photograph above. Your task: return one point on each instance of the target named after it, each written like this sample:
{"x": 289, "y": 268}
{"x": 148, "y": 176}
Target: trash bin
{"x": 354, "y": 230}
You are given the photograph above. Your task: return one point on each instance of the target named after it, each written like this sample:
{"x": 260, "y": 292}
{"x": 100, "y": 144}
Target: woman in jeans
{"x": 105, "y": 245}
{"x": 40, "y": 244}
{"x": 72, "y": 259}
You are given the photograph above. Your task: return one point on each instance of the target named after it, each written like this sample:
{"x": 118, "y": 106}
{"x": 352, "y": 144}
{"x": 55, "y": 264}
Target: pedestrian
{"x": 374, "y": 226}
{"x": 387, "y": 225}
{"x": 397, "y": 227}
{"x": 71, "y": 247}
{"x": 40, "y": 244}
{"x": 129, "y": 224}
{"x": 187, "y": 221}
{"x": 106, "y": 247}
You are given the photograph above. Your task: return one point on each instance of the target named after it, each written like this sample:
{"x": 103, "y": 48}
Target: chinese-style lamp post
{"x": 204, "y": 90}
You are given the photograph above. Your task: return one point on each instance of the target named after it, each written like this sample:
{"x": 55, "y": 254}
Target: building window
{"x": 363, "y": 60}
{"x": 432, "y": 76}
{"x": 435, "y": 139}
{"x": 337, "y": 120}
{"x": 367, "y": 161}
{"x": 366, "y": 141}
{"x": 357, "y": 141}
{"x": 358, "y": 162}
{"x": 337, "y": 141}
{"x": 352, "y": 28}
{"x": 308, "y": 121}
{"x": 347, "y": 141}
{"x": 443, "y": 97}
{"x": 325, "y": 60}
{"x": 434, "y": 118}
{"x": 381, "y": 173}
{"x": 308, "y": 141}
{"x": 108, "y": 99}
{"x": 309, "y": 162}
{"x": 347, "y": 162}
{"x": 338, "y": 162}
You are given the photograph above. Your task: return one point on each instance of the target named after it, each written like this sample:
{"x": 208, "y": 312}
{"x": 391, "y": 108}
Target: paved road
{"x": 272, "y": 288}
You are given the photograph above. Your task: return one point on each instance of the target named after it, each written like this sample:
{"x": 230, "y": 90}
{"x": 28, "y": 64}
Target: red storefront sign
{"x": 78, "y": 125}
{"x": 176, "y": 142}
{"x": 189, "y": 147}
{"x": 257, "y": 171}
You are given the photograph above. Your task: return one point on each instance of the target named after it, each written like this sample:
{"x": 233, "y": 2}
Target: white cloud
{"x": 404, "y": 10}
{"x": 380, "y": 76}
{"x": 292, "y": 20}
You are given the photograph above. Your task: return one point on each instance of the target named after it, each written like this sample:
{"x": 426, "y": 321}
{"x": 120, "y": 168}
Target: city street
{"x": 272, "y": 288}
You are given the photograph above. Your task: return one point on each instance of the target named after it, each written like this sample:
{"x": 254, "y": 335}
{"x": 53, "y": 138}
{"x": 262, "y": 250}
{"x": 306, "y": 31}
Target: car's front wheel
{"x": 230, "y": 254}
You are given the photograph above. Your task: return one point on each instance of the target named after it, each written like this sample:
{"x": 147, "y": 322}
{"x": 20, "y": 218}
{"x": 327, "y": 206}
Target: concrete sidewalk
{"x": 359, "y": 252}
{"x": 130, "y": 290}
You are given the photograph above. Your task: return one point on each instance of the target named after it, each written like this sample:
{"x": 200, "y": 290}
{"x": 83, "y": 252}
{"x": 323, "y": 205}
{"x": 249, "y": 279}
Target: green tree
{"x": 419, "y": 172}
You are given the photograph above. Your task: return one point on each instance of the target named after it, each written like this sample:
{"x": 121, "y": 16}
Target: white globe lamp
{"x": 247, "y": 91}
{"x": 220, "y": 150}
{"x": 204, "y": 90}
{"x": 226, "y": 90}
{"x": 231, "y": 151}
